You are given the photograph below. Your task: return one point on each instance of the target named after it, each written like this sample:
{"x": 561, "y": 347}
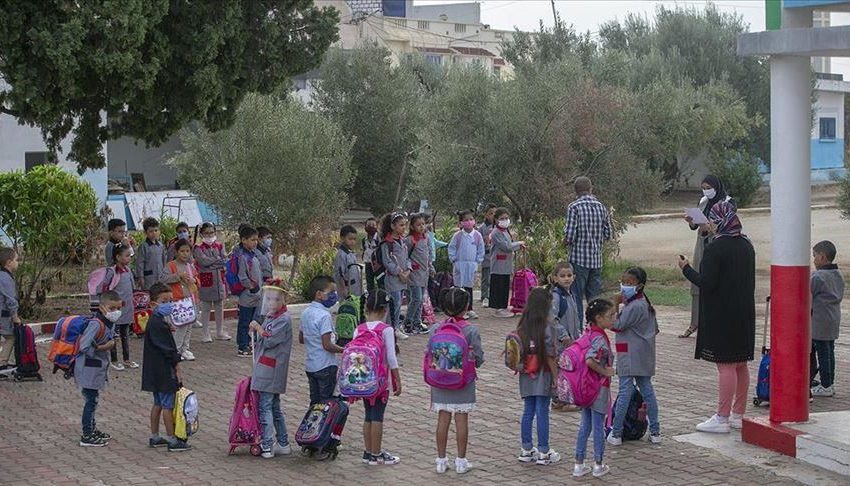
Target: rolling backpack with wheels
{"x": 322, "y": 426}
{"x": 635, "y": 424}
{"x": 763, "y": 382}
{"x": 26, "y": 356}
{"x": 524, "y": 280}
{"x": 244, "y": 427}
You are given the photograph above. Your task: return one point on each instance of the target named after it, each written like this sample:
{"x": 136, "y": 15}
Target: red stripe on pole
{"x": 790, "y": 343}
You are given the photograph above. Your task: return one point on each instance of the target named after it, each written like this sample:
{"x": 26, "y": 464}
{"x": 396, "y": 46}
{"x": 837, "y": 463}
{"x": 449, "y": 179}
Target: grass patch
{"x": 670, "y": 296}
{"x": 666, "y": 286}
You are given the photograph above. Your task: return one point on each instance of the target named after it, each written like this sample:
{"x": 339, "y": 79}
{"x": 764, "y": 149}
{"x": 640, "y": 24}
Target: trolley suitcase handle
{"x": 766, "y": 319}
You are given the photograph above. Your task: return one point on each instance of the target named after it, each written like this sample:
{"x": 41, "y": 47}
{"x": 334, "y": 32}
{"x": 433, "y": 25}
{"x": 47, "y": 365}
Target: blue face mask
{"x": 164, "y": 309}
{"x": 183, "y": 235}
{"x": 331, "y": 299}
{"x": 628, "y": 291}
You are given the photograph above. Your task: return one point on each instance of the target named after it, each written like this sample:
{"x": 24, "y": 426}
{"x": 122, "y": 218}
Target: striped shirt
{"x": 588, "y": 226}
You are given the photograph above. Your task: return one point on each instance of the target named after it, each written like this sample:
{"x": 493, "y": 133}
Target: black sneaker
{"x": 92, "y": 441}
{"x": 101, "y": 434}
{"x": 366, "y": 457}
{"x": 161, "y": 442}
{"x": 423, "y": 328}
{"x": 244, "y": 353}
{"x": 179, "y": 446}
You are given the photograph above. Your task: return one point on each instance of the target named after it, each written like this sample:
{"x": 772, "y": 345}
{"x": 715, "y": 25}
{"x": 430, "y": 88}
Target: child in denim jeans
{"x": 601, "y": 315}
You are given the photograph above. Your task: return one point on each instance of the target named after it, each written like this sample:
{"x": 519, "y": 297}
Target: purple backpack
{"x": 577, "y": 383}
{"x": 363, "y": 371}
{"x": 448, "y": 362}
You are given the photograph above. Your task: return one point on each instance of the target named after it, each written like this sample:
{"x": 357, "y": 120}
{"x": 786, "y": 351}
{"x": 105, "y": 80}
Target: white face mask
{"x": 209, "y": 240}
{"x": 709, "y": 193}
{"x": 113, "y": 316}
{"x": 504, "y": 223}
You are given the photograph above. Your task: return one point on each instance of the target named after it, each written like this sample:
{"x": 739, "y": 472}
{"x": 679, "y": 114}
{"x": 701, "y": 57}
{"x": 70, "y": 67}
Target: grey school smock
{"x": 634, "y": 339}
{"x": 827, "y": 292}
{"x": 601, "y": 352}
{"x": 272, "y": 351}
{"x": 211, "y": 260}
{"x": 569, "y": 323}
{"x": 124, "y": 289}
{"x": 150, "y": 260}
{"x": 420, "y": 260}
{"x": 502, "y": 252}
{"x": 466, "y": 395}
{"x": 347, "y": 273}
{"x": 394, "y": 256}
{"x": 91, "y": 367}
{"x": 251, "y": 277}
{"x": 264, "y": 256}
{"x": 8, "y": 302}
{"x": 541, "y": 384}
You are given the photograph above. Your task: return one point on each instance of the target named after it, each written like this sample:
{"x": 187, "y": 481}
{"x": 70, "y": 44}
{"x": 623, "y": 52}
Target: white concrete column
{"x": 790, "y": 191}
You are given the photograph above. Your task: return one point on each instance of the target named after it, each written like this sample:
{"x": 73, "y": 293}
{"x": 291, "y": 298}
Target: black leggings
{"x": 122, "y": 330}
{"x": 469, "y": 291}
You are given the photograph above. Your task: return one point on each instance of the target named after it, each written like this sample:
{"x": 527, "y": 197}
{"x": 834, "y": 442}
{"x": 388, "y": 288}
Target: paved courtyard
{"x": 39, "y": 423}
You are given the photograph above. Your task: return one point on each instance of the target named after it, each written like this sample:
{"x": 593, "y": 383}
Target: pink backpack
{"x": 245, "y": 422}
{"x": 448, "y": 362}
{"x": 577, "y": 383}
{"x": 97, "y": 277}
{"x": 363, "y": 371}
{"x": 524, "y": 281}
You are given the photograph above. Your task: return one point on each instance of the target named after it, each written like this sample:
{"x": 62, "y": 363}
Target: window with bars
{"x": 423, "y": 25}
{"x": 827, "y": 128}
{"x": 460, "y": 28}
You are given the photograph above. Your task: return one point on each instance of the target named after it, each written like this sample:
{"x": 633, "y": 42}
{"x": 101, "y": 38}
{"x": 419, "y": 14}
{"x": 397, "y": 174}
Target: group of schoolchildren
{"x": 549, "y": 323}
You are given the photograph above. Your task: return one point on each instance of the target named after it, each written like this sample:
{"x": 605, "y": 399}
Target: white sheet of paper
{"x": 696, "y": 215}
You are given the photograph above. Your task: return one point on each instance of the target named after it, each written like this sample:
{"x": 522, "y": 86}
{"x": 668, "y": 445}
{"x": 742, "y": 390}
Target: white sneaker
{"x": 188, "y": 356}
{"x": 197, "y": 325}
{"x": 715, "y": 425}
{"x": 269, "y": 454}
{"x": 442, "y": 464}
{"x": 462, "y": 466}
{"x": 504, "y": 313}
{"x": 118, "y": 366}
{"x": 280, "y": 450}
{"x": 736, "y": 421}
{"x": 207, "y": 339}
{"x": 550, "y": 457}
{"x": 131, "y": 364}
{"x": 614, "y": 441}
{"x": 223, "y": 337}
{"x": 655, "y": 438}
{"x": 600, "y": 470}
{"x": 400, "y": 334}
{"x": 580, "y": 470}
{"x": 471, "y": 315}
{"x": 485, "y": 303}
{"x": 820, "y": 391}
{"x": 527, "y": 455}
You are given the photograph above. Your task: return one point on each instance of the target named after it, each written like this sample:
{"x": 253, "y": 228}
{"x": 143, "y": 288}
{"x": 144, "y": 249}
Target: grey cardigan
{"x": 272, "y": 351}
{"x": 467, "y": 394}
{"x": 394, "y": 256}
{"x": 91, "y": 366}
{"x": 502, "y": 252}
{"x": 8, "y": 302}
{"x": 827, "y": 293}
{"x": 420, "y": 261}
{"x": 635, "y": 329}
{"x": 250, "y": 275}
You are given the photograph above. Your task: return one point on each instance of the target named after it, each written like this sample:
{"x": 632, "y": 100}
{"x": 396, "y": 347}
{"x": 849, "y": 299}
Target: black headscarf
{"x": 721, "y": 195}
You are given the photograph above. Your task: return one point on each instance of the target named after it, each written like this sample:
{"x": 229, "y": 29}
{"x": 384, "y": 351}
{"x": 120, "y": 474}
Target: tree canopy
{"x": 153, "y": 66}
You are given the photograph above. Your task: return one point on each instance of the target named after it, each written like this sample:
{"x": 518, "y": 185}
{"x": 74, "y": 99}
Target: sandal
{"x": 687, "y": 332}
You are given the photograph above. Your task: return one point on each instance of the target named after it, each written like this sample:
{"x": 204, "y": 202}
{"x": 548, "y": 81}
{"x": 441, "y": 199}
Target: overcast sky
{"x": 586, "y": 15}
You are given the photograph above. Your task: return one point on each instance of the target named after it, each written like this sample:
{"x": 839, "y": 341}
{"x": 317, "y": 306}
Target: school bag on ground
{"x": 348, "y": 317}
{"x": 763, "y": 381}
{"x": 244, "y": 429}
{"x": 363, "y": 367}
{"x": 516, "y": 358}
{"x": 524, "y": 280}
{"x": 65, "y": 344}
{"x": 577, "y": 384}
{"x": 26, "y": 356}
{"x": 635, "y": 423}
{"x": 231, "y": 271}
{"x": 95, "y": 282}
{"x": 428, "y": 316}
{"x": 322, "y": 426}
{"x": 448, "y": 362}
{"x": 185, "y": 413}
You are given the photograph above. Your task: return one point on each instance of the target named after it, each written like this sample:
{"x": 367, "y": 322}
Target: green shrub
{"x": 544, "y": 239}
{"x": 844, "y": 196}
{"x": 740, "y": 174}
{"x": 320, "y": 263}
{"x": 442, "y": 263}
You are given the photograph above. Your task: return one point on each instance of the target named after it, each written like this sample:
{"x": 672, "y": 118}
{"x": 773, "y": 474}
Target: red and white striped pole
{"x": 790, "y": 196}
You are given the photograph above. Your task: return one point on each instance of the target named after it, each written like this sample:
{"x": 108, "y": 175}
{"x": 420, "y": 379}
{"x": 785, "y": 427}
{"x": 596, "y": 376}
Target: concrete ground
{"x": 39, "y": 424}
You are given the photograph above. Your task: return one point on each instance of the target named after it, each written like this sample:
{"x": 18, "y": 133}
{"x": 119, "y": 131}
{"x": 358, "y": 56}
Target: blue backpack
{"x": 231, "y": 271}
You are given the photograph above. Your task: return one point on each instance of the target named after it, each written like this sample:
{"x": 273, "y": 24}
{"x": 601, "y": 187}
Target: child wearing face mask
{"x": 264, "y": 252}
{"x": 91, "y": 366}
{"x": 210, "y": 259}
{"x": 466, "y": 252}
{"x": 502, "y": 262}
{"x": 182, "y": 234}
{"x": 316, "y": 334}
{"x": 635, "y": 328}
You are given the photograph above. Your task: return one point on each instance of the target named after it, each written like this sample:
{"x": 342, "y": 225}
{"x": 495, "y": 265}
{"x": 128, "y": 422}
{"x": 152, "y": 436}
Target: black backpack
{"x": 634, "y": 427}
